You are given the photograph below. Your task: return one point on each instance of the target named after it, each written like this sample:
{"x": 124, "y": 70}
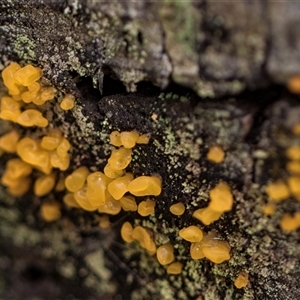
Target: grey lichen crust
{"x": 202, "y": 46}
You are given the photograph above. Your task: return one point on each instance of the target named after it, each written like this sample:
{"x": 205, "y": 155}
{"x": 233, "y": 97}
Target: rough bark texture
{"x": 222, "y": 67}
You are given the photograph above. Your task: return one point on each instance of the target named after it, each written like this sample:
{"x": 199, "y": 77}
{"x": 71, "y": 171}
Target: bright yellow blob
{"x": 177, "y": 209}
{"x": 165, "y": 254}
{"x": 277, "y": 191}
{"x": 145, "y": 186}
{"x": 146, "y": 208}
{"x": 50, "y": 211}
{"x": 126, "y": 232}
{"x": 215, "y": 154}
{"x": 175, "y": 268}
{"x": 242, "y": 280}
{"x": 67, "y": 102}
{"x": 191, "y": 234}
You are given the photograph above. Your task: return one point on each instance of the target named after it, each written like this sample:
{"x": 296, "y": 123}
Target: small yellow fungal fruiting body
{"x": 82, "y": 200}
{"x": 221, "y": 199}
{"x": 34, "y": 87}
{"x": 141, "y": 235}
{"x": 120, "y": 158}
{"x": 207, "y": 215}
{"x": 115, "y": 138}
{"x": 242, "y": 280}
{"x": 146, "y": 208}
{"x": 290, "y": 222}
{"x": 17, "y": 168}
{"x": 145, "y": 186}
{"x": 293, "y": 167}
{"x": 196, "y": 251}
{"x": 32, "y": 117}
{"x": 296, "y": 129}
{"x": 9, "y": 141}
{"x": 215, "y": 154}
{"x": 177, "y": 209}
{"x": 27, "y": 75}
{"x": 191, "y": 234}
{"x": 143, "y": 139}
{"x": 67, "y": 102}
{"x": 50, "y": 143}
{"x": 44, "y": 185}
{"x": 59, "y": 162}
{"x": 126, "y": 232}
{"x": 128, "y": 203}
{"x": 294, "y": 184}
{"x": 75, "y": 181}
{"x": 50, "y": 211}
{"x": 97, "y": 183}
{"x": 10, "y": 109}
{"x": 269, "y": 209}
{"x": 293, "y": 152}
{"x": 293, "y": 84}
{"x": 70, "y": 201}
{"x": 175, "y": 268}
{"x": 63, "y": 148}
{"x": 277, "y": 191}
{"x": 118, "y": 187}
{"x": 20, "y": 187}
{"x": 9, "y": 80}
{"x": 129, "y": 138}
{"x": 111, "y": 173}
{"x": 111, "y": 206}
{"x": 165, "y": 254}
{"x": 47, "y": 94}
{"x": 214, "y": 249}
{"x": 104, "y": 222}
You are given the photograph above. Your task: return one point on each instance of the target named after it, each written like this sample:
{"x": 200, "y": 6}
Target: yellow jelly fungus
{"x": 34, "y": 87}
{"x": 293, "y": 84}
{"x": 50, "y": 211}
{"x": 290, "y": 222}
{"x": 165, "y": 254}
{"x": 69, "y": 201}
{"x": 44, "y": 185}
{"x": 50, "y": 143}
{"x": 277, "y": 191}
{"x": 10, "y": 109}
{"x": 129, "y": 138}
{"x": 63, "y": 148}
{"x": 196, "y": 251}
{"x": 293, "y": 152}
{"x": 9, "y": 80}
{"x": 60, "y": 185}
{"x": 20, "y": 187}
{"x": 118, "y": 187}
{"x": 75, "y": 181}
{"x": 191, "y": 234}
{"x": 97, "y": 184}
{"x": 215, "y": 154}
{"x": 81, "y": 198}
{"x": 141, "y": 235}
{"x": 128, "y": 203}
{"x": 269, "y": 209}
{"x": 294, "y": 184}
{"x": 111, "y": 173}
{"x": 207, "y": 215}
{"x": 115, "y": 138}
{"x": 145, "y": 186}
{"x": 67, "y": 102}
{"x": 17, "y": 168}
{"x": 221, "y": 198}
{"x": 293, "y": 167}
{"x": 177, "y": 209}
{"x": 59, "y": 162}
{"x": 120, "y": 158}
{"x": 31, "y": 152}
{"x": 242, "y": 280}
{"x": 27, "y": 75}
{"x": 214, "y": 249}
{"x": 104, "y": 222}
{"x": 32, "y": 117}
{"x": 296, "y": 129}
{"x": 146, "y": 208}
{"x": 143, "y": 139}
{"x": 55, "y": 132}
{"x": 126, "y": 232}
{"x": 47, "y": 93}
{"x": 111, "y": 206}
{"x": 28, "y": 97}
{"x": 9, "y": 141}
{"x": 175, "y": 268}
